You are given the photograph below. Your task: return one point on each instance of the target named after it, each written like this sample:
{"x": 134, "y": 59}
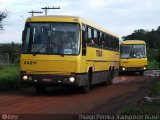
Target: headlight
{"x": 71, "y": 79}
{"x": 144, "y": 68}
{"x": 25, "y": 77}
{"x": 123, "y": 68}
{"x": 35, "y": 80}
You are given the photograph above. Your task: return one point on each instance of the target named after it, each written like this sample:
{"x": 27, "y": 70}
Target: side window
{"x": 105, "y": 40}
{"x": 100, "y": 39}
{"x": 117, "y": 44}
{"x": 95, "y": 39}
{"x": 89, "y": 31}
{"x": 109, "y": 42}
{"x": 84, "y": 39}
{"x": 26, "y": 39}
{"x": 112, "y": 43}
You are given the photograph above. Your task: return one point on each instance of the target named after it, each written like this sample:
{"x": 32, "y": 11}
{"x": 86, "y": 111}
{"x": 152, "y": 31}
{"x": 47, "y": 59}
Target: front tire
{"x": 86, "y": 87}
{"x": 110, "y": 77}
{"x": 141, "y": 73}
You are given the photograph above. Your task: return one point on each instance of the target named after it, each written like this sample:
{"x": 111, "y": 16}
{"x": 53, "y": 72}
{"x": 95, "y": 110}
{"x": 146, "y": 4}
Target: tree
{"x": 13, "y": 49}
{"x": 3, "y": 15}
{"x": 152, "y": 38}
{"x": 136, "y": 35}
{"x": 158, "y": 29}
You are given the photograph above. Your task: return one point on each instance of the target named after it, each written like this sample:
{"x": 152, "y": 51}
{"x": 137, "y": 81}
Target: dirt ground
{"x": 127, "y": 89}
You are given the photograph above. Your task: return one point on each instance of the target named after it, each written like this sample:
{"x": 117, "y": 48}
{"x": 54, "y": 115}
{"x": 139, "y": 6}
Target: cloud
{"x": 97, "y": 4}
{"x": 119, "y": 16}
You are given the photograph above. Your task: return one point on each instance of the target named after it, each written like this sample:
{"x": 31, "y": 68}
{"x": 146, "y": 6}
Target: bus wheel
{"x": 40, "y": 88}
{"x": 110, "y": 77}
{"x": 86, "y": 87}
{"x": 141, "y": 73}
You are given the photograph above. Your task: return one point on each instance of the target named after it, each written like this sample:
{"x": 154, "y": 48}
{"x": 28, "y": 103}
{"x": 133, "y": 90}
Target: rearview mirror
{"x": 83, "y": 28}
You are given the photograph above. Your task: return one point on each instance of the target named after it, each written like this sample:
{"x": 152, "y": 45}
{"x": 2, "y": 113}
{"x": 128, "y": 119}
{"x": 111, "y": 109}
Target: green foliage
{"x": 136, "y": 35}
{"x": 129, "y": 110}
{"x": 153, "y": 54}
{"x": 155, "y": 89}
{"x": 144, "y": 107}
{"x": 152, "y": 38}
{"x": 9, "y": 78}
{"x": 13, "y": 50}
{"x": 153, "y": 64}
{"x": 153, "y": 58}
{"x": 3, "y": 15}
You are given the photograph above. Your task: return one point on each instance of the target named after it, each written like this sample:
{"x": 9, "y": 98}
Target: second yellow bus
{"x": 133, "y": 56}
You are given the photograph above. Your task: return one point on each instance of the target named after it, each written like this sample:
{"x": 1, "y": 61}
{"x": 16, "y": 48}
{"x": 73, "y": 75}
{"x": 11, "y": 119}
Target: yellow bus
{"x": 133, "y": 56}
{"x": 68, "y": 51}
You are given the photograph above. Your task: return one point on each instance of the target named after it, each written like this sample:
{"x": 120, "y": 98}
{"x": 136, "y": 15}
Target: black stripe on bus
{"x": 92, "y": 72}
{"x": 101, "y": 61}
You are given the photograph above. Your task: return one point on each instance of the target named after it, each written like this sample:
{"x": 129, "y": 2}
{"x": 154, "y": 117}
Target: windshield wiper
{"x": 34, "y": 53}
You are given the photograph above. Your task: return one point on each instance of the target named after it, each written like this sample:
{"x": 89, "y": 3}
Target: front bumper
{"x": 136, "y": 69}
{"x": 47, "y": 79}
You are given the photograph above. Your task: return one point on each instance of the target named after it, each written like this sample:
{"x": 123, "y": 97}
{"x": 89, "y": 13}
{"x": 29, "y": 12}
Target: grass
{"x": 143, "y": 106}
{"x": 153, "y": 64}
{"x": 9, "y": 77}
{"x": 155, "y": 89}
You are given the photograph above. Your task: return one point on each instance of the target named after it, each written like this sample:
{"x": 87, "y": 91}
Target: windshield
{"x": 133, "y": 51}
{"x": 51, "y": 38}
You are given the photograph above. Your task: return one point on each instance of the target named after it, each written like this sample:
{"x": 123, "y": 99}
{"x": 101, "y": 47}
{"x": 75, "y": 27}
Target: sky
{"x": 119, "y": 16}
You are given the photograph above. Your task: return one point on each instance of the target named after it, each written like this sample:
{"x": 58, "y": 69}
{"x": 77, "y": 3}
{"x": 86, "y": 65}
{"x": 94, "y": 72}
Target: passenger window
{"x": 107, "y": 40}
{"x": 102, "y": 40}
{"x": 117, "y": 44}
{"x": 95, "y": 37}
{"x": 89, "y": 31}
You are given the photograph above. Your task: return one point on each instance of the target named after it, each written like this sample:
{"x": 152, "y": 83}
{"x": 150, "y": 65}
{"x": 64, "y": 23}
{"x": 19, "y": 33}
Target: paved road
{"x": 127, "y": 89}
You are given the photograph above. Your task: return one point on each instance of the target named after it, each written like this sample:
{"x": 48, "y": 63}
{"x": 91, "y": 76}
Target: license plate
{"x": 47, "y": 80}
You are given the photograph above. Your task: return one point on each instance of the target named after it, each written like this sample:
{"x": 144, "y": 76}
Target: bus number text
{"x": 30, "y": 62}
